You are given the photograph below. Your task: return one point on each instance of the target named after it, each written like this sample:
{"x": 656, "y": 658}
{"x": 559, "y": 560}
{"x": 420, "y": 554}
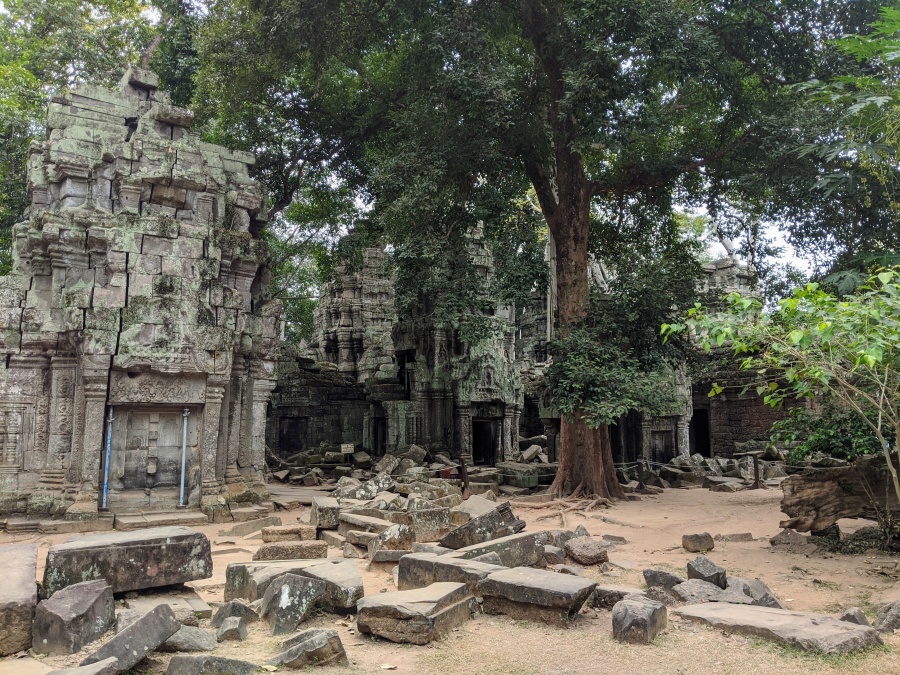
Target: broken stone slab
{"x": 359, "y": 537}
{"x": 418, "y": 570}
{"x": 415, "y": 616}
{"x": 515, "y": 550}
{"x": 333, "y": 538}
{"x": 190, "y": 639}
{"x": 292, "y": 550}
{"x": 574, "y": 570}
{"x": 131, "y": 560}
{"x": 806, "y": 631}
{"x": 705, "y": 569}
{"x": 735, "y": 537}
{"x": 497, "y": 523}
{"x": 429, "y": 524}
{"x": 387, "y": 464}
{"x": 471, "y": 508}
{"x": 288, "y": 533}
{"x": 108, "y": 666}
{"x": 288, "y": 601}
{"x": 527, "y": 593}
{"x": 662, "y": 578}
{"x": 698, "y": 543}
{"x": 387, "y": 556}
{"x": 185, "y": 664}
{"x": 313, "y": 647}
{"x": 664, "y": 595}
{"x": 73, "y": 617}
{"x": 854, "y": 615}
{"x": 490, "y": 557}
{"x": 638, "y": 619}
{"x": 394, "y": 538}
{"x": 380, "y": 483}
{"x": 324, "y": 513}
{"x": 354, "y": 521}
{"x": 140, "y": 638}
{"x": 342, "y": 579}
{"x": 18, "y": 596}
{"x": 557, "y": 538}
{"x": 187, "y": 605}
{"x": 354, "y": 552}
{"x": 888, "y": 617}
{"x": 234, "y": 628}
{"x": 697, "y": 590}
{"x": 250, "y": 526}
{"x": 234, "y": 608}
{"x": 419, "y": 547}
{"x": 605, "y": 596}
{"x": 518, "y": 474}
{"x": 761, "y": 594}
{"x": 588, "y": 551}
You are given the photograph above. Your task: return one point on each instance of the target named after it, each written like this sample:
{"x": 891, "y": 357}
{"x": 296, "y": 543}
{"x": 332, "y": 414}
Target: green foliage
{"x": 175, "y": 60}
{"x": 831, "y": 431}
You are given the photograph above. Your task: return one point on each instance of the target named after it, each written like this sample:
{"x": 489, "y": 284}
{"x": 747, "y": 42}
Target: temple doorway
{"x": 485, "y": 435}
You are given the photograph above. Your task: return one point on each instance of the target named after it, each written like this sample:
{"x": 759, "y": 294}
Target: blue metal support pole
{"x": 105, "y": 498}
{"x": 185, "y": 414}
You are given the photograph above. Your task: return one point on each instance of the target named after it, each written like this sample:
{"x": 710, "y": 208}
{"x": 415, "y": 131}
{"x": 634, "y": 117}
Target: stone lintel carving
{"x": 156, "y": 388}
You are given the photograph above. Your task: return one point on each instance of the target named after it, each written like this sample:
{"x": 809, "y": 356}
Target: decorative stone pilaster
{"x": 94, "y": 380}
{"x": 645, "y": 438}
{"x": 212, "y": 503}
{"x": 464, "y": 432}
{"x": 262, "y": 390}
{"x": 508, "y": 453}
{"x": 682, "y": 435}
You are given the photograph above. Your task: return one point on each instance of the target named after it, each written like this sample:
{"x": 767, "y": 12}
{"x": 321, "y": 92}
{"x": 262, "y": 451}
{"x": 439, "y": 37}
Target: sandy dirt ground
{"x": 653, "y": 528}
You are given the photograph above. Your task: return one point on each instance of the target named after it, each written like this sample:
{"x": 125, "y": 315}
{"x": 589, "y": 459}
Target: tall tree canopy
{"x": 441, "y": 112}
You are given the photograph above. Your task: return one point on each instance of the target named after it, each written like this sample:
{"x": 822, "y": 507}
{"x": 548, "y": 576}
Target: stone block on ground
{"x": 888, "y": 617}
{"x": 343, "y": 582}
{"x": 471, "y": 508}
{"x": 292, "y": 550}
{"x": 394, "y": 538}
{"x": 697, "y": 590}
{"x": 361, "y": 523}
{"x": 237, "y": 608}
{"x": 662, "y": 578}
{"x": 761, "y": 594}
{"x": 250, "y": 526}
{"x": 324, "y": 513}
{"x": 288, "y": 533}
{"x": 698, "y": 543}
{"x": 184, "y": 664}
{"x": 518, "y": 474}
{"x": 418, "y": 570}
{"x": 638, "y": 619}
{"x": 516, "y": 550}
{"x": 18, "y": 596}
{"x": 130, "y": 560}
{"x": 734, "y": 537}
{"x": 73, "y": 617}
{"x": 387, "y": 464}
{"x": 234, "y": 628}
{"x": 288, "y": 601}
{"x": 360, "y": 538}
{"x": 416, "y": 616}
{"x": 854, "y": 615}
{"x": 705, "y": 569}
{"x": 496, "y": 523}
{"x": 108, "y": 666}
{"x": 190, "y": 639}
{"x": 588, "y": 550}
{"x": 333, "y": 538}
{"x": 606, "y": 596}
{"x": 429, "y": 524}
{"x": 491, "y": 557}
{"x": 527, "y": 593}
{"x": 809, "y": 632}
{"x": 187, "y": 605}
{"x": 140, "y": 638}
{"x": 313, "y": 647}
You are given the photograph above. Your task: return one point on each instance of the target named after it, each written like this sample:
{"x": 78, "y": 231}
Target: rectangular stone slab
{"x": 809, "y": 632}
{"x": 496, "y": 523}
{"x": 516, "y": 550}
{"x": 143, "y": 636}
{"x": 130, "y": 560}
{"x": 343, "y": 582}
{"x": 18, "y": 596}
{"x": 418, "y": 570}
{"x": 417, "y": 616}
{"x": 527, "y": 593}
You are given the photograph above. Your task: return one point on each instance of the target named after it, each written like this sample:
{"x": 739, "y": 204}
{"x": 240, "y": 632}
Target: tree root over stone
{"x": 564, "y": 506}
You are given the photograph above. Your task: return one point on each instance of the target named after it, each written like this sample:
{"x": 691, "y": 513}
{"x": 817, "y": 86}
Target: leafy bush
{"x": 829, "y": 430}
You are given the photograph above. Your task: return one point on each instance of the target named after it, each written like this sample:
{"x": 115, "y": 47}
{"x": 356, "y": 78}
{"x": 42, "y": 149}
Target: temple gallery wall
{"x": 141, "y": 368}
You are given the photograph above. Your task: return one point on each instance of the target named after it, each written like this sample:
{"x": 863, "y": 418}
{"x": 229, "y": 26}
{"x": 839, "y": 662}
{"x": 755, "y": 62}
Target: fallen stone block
{"x": 697, "y": 590}
{"x": 662, "y": 578}
{"x": 574, "y": 570}
{"x": 557, "y": 538}
{"x": 354, "y": 521}
{"x": 332, "y": 537}
{"x": 183, "y": 664}
{"x": 527, "y": 593}
{"x": 698, "y": 543}
{"x": 354, "y": 552}
{"x": 588, "y": 551}
{"x": 518, "y": 474}
{"x": 664, "y": 595}
{"x": 313, "y": 647}
{"x": 187, "y": 606}
{"x": 130, "y": 560}
{"x": 237, "y": 608}
{"x": 232, "y": 629}
{"x": 250, "y": 526}
{"x": 705, "y": 569}
{"x": 491, "y": 557}
{"x": 288, "y": 601}
{"x": 515, "y": 550}
{"x": 854, "y": 615}
{"x": 419, "y": 547}
{"x": 394, "y": 538}
{"x": 471, "y": 508}
{"x": 429, "y": 524}
{"x": 605, "y": 597}
{"x": 638, "y": 619}
{"x": 809, "y": 632}
{"x": 288, "y": 533}
{"x": 108, "y": 666}
{"x": 418, "y": 570}
{"x": 888, "y": 617}
{"x": 18, "y": 596}
{"x": 387, "y": 464}
{"x": 387, "y": 556}
{"x": 496, "y": 523}
{"x": 137, "y": 640}
{"x": 292, "y": 550}
{"x": 736, "y": 537}
{"x": 343, "y": 582}
{"x": 761, "y": 594}
{"x": 380, "y": 483}
{"x": 415, "y": 616}
{"x": 190, "y": 639}
{"x": 360, "y": 538}
{"x": 73, "y": 617}
{"x": 324, "y": 513}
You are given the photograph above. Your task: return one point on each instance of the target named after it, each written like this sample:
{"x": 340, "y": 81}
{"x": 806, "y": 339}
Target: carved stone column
{"x": 645, "y": 439}
{"x": 94, "y": 379}
{"x": 262, "y": 390}
{"x": 682, "y": 435}
{"x": 232, "y": 475}
{"x": 211, "y": 502}
{"x": 507, "y": 436}
{"x": 464, "y": 432}
{"x": 62, "y": 406}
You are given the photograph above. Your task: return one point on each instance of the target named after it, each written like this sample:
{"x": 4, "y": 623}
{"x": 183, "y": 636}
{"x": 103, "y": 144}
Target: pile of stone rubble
{"x": 718, "y": 474}
{"x": 451, "y": 558}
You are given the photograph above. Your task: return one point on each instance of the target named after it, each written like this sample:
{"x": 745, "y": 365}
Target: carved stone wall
{"x": 135, "y": 296}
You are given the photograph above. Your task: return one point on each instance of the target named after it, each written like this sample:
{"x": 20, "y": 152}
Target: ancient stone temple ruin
{"x": 138, "y": 350}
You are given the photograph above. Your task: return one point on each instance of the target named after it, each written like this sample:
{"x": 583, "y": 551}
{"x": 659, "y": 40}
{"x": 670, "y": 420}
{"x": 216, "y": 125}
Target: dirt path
{"x": 653, "y": 529}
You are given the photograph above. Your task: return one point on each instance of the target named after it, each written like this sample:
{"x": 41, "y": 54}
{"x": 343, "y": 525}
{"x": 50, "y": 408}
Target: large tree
{"x": 442, "y": 112}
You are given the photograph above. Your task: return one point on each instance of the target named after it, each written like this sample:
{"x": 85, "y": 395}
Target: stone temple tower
{"x": 134, "y": 325}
